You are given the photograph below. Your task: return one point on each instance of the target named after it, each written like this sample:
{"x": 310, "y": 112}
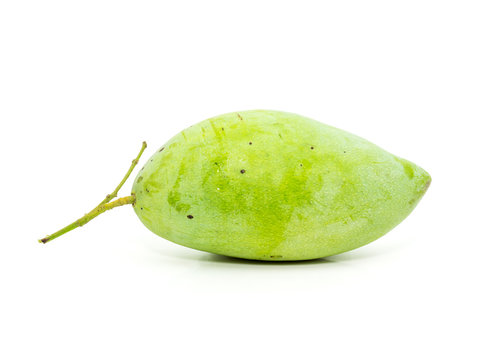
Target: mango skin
{"x": 271, "y": 185}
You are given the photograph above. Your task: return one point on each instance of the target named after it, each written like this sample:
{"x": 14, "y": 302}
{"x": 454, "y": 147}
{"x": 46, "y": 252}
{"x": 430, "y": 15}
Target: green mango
{"x": 271, "y": 185}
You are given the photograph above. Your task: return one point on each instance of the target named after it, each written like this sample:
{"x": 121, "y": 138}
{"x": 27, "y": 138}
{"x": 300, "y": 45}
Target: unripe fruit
{"x": 271, "y": 185}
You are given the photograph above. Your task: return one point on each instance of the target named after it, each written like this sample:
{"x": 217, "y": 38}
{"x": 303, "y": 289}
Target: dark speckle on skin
{"x": 250, "y": 143}
{"x": 141, "y": 208}
{"x": 301, "y": 164}
{"x": 139, "y": 179}
{"x": 222, "y": 129}
{"x": 190, "y": 217}
{"x": 161, "y": 149}
{"x": 345, "y": 152}
{"x": 147, "y": 190}
{"x": 243, "y": 171}
{"x": 312, "y": 148}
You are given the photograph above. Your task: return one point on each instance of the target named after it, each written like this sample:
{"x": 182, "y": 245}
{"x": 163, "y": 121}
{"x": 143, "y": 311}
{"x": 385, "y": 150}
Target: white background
{"x": 83, "y": 83}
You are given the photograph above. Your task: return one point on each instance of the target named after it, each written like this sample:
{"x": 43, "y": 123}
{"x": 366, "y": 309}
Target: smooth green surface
{"x": 271, "y": 185}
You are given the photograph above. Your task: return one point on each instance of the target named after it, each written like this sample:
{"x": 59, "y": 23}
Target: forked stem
{"x": 127, "y": 175}
{"x": 103, "y": 205}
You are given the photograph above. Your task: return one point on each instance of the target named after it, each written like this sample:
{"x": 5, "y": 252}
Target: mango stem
{"x": 103, "y": 205}
{"x": 127, "y": 175}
